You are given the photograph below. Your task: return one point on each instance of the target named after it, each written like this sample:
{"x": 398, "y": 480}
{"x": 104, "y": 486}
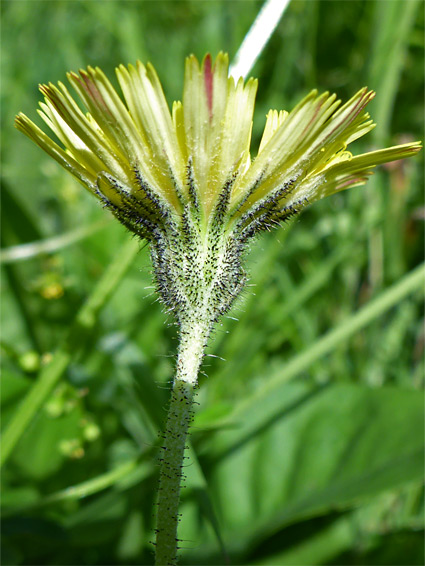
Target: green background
{"x": 307, "y": 447}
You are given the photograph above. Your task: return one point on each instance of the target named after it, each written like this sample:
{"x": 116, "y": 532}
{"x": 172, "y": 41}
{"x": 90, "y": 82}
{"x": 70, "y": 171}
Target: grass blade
{"x": 396, "y": 20}
{"x": 257, "y": 37}
{"x": 30, "y": 250}
{"x": 412, "y": 282}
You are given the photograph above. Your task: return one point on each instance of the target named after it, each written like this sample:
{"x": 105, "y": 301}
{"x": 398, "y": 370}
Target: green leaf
{"x": 320, "y": 547}
{"x": 83, "y": 324}
{"x": 303, "y": 452}
{"x": 43, "y": 440}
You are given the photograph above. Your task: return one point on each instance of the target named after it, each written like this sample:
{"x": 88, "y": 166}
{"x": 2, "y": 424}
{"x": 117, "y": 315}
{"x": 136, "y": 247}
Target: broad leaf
{"x": 303, "y": 452}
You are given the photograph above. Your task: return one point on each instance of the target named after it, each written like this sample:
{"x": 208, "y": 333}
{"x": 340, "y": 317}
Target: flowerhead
{"x": 185, "y": 179}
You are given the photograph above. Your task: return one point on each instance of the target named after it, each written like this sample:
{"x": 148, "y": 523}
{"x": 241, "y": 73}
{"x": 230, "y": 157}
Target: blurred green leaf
{"x": 51, "y": 374}
{"x": 46, "y": 439}
{"x": 302, "y": 452}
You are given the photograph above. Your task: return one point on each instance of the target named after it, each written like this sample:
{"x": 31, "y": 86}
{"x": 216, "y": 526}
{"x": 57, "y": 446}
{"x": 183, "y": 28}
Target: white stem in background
{"x": 257, "y": 37}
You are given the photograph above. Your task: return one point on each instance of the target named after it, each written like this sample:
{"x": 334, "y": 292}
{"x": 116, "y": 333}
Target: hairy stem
{"x": 191, "y": 350}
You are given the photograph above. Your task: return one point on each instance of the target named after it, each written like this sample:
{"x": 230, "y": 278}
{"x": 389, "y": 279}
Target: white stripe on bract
{"x": 257, "y": 37}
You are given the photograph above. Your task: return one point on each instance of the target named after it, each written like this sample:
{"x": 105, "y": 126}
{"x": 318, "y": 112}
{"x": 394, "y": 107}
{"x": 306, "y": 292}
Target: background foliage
{"x": 307, "y": 447}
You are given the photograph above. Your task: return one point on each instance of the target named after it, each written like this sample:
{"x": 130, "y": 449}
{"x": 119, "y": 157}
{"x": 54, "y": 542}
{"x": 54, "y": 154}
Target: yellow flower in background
{"x": 185, "y": 179}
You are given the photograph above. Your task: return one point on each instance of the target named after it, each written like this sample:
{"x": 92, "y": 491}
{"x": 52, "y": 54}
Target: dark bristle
{"x": 222, "y": 205}
{"x": 191, "y": 186}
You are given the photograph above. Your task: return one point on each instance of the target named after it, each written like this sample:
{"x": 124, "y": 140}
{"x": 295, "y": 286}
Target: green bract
{"x": 185, "y": 181}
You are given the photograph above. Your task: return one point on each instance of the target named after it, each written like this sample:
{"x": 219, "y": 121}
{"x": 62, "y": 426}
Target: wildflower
{"x": 185, "y": 181}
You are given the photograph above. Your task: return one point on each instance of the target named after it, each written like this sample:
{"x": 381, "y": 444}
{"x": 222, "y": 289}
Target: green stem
{"x": 179, "y": 418}
{"x": 191, "y": 351}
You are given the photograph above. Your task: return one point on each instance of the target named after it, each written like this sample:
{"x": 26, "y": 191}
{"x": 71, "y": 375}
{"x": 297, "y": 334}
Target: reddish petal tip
{"x": 208, "y": 79}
